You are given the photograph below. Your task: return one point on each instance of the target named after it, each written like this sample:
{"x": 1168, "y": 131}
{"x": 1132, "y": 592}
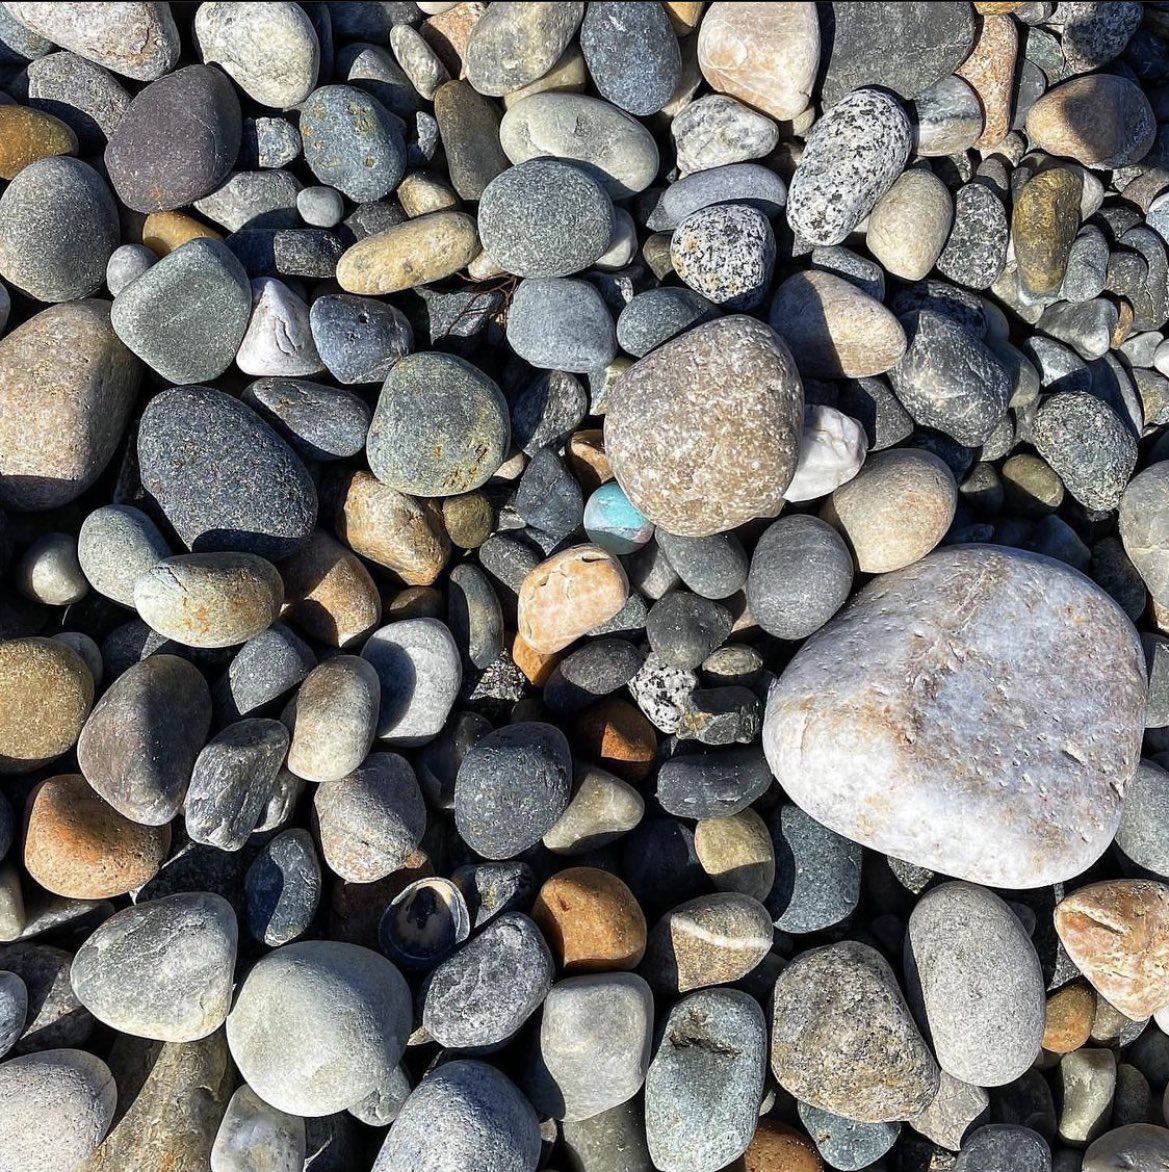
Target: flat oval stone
{"x": 415, "y": 253}
{"x": 705, "y": 1083}
{"x": 513, "y": 45}
{"x": 320, "y": 422}
{"x": 352, "y": 142}
{"x": 468, "y": 125}
{"x": 116, "y": 544}
{"x": 1029, "y": 841}
{"x": 909, "y": 225}
{"x": 569, "y": 595}
{"x": 611, "y": 145}
{"x": 161, "y": 969}
{"x": 728, "y": 389}
{"x": 545, "y": 218}
{"x": 852, "y": 156}
{"x": 465, "y": 1113}
{"x": 1043, "y": 228}
{"x": 210, "y": 599}
{"x": 746, "y": 183}
{"x": 46, "y": 692}
{"x": 974, "y": 979}
{"x": 763, "y": 54}
{"x": 843, "y": 1039}
{"x": 334, "y": 719}
{"x": 632, "y": 54}
{"x": 441, "y": 427}
{"x": 55, "y": 1106}
{"x": 224, "y": 479}
{"x": 318, "y": 1025}
{"x": 1101, "y": 121}
{"x": 1140, "y": 1146}
{"x": 1144, "y": 527}
{"x": 556, "y": 323}
{"x": 58, "y": 228}
{"x": 177, "y": 140}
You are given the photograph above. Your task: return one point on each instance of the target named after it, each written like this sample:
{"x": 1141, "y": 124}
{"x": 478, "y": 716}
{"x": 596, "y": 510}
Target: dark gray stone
{"x": 684, "y": 628}
{"x": 359, "y": 339}
{"x": 817, "y": 873}
{"x": 1002, "y": 1147}
{"x": 492, "y": 889}
{"x": 714, "y": 566}
{"x": 959, "y": 305}
{"x": 874, "y": 406}
{"x": 632, "y": 54}
{"x": 269, "y": 142}
{"x": 86, "y": 97}
{"x": 658, "y": 315}
{"x": 561, "y": 324}
{"x": 1091, "y": 450}
{"x": 660, "y": 864}
{"x": 474, "y": 615}
{"x": 287, "y": 252}
{"x": 613, "y": 1141}
{"x": 976, "y": 251}
{"x": 352, "y": 142}
{"x": 549, "y": 497}
{"x": 751, "y": 184}
{"x": 1086, "y": 326}
{"x": 282, "y": 888}
{"x": 844, "y": 1143}
{"x": 437, "y": 763}
{"x": 54, "y": 1016}
{"x": 264, "y": 669}
{"x": 597, "y": 669}
{"x": 253, "y": 199}
{"x": 319, "y": 422}
{"x": 547, "y": 411}
{"x": 13, "y": 1010}
{"x": 712, "y": 784}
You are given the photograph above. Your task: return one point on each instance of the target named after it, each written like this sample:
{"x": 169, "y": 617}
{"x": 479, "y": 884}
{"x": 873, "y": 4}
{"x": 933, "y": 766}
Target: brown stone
{"x": 737, "y": 853}
{"x": 417, "y": 602}
{"x": 617, "y": 736}
{"x": 775, "y": 1147}
{"x": 392, "y": 529}
{"x": 408, "y": 255}
{"x": 421, "y": 193}
{"x": 763, "y": 54}
{"x": 591, "y": 920}
{"x": 1117, "y": 934}
{"x": 587, "y": 459}
{"x": 328, "y": 592}
{"x": 1102, "y": 120}
{"x": 448, "y": 34}
{"x": 1070, "y": 1012}
{"x": 703, "y": 433}
{"x": 79, "y": 846}
{"x": 1044, "y": 223}
{"x": 46, "y": 692}
{"x": 995, "y": 7}
{"x": 28, "y": 135}
{"x": 684, "y": 14}
{"x": 537, "y": 666}
{"x": 1124, "y": 323}
{"x": 163, "y": 232}
{"x": 990, "y": 70}
{"x": 568, "y": 595}
{"x": 911, "y": 223}
{"x": 469, "y": 519}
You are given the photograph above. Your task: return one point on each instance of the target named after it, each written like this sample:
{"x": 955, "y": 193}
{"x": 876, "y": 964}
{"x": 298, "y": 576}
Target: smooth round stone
{"x": 852, "y": 156}
{"x": 126, "y": 264}
{"x": 569, "y": 595}
{"x": 371, "y": 820}
{"x": 55, "y": 1109}
{"x": 834, "y": 329}
{"x": 359, "y": 339}
{"x": 594, "y": 1049}
{"x": 726, "y": 253}
{"x": 161, "y": 969}
{"x": 417, "y": 663}
{"x": 517, "y": 44}
{"x": 598, "y": 668}
{"x": 716, "y": 131}
{"x": 58, "y": 228}
{"x": 512, "y": 787}
{"x": 1102, "y": 121}
{"x": 252, "y": 1132}
{"x": 271, "y": 53}
{"x": 318, "y": 1025}
{"x": 29, "y": 135}
{"x": 222, "y": 476}
{"x": 976, "y": 251}
{"x": 611, "y": 521}
{"x": 974, "y": 977}
{"x": 817, "y": 873}
{"x": 743, "y": 415}
{"x": 844, "y": 1143}
{"x": 278, "y": 340}
{"x": 464, "y": 1114}
{"x": 1141, "y": 838}
{"x": 1031, "y": 487}
{"x": 909, "y": 225}
{"x": 1088, "y": 446}
{"x": 408, "y": 255}
{"x": 737, "y": 853}
{"x": 468, "y": 125}
{"x": 352, "y": 143}
{"x": 49, "y": 572}
{"x": 683, "y": 628}
{"x": 441, "y": 427}
{"x": 712, "y": 940}
{"x": 1137, "y": 1146}
{"x": 895, "y": 510}
{"x": 320, "y": 422}
{"x": 45, "y": 695}
{"x": 177, "y": 140}
{"x": 711, "y": 784}
{"x": 1004, "y": 1145}
{"x": 1088, "y": 1086}
{"x": 705, "y": 1083}
{"x": 714, "y": 566}
{"x": 334, "y": 719}
{"x": 1043, "y": 228}
{"x": 1144, "y": 510}
{"x": 424, "y": 923}
{"x": 560, "y": 324}
{"x": 843, "y": 1039}
{"x": 601, "y": 810}
{"x": 1030, "y": 841}
{"x": 320, "y": 206}
{"x": 545, "y": 218}
{"x": 210, "y": 599}
{"x": 282, "y": 888}
{"x": 632, "y": 55}
{"x": 763, "y": 54}
{"x": 949, "y": 380}
{"x": 78, "y": 846}
{"x": 613, "y": 1141}
{"x": 484, "y": 993}
{"x": 833, "y": 447}
{"x": 13, "y": 1010}
{"x": 611, "y": 145}
{"x": 263, "y": 670}
{"x": 139, "y": 746}
{"x": 657, "y": 315}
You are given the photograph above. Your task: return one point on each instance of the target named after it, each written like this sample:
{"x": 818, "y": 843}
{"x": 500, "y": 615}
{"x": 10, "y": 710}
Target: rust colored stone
{"x": 329, "y": 594}
{"x": 587, "y": 459}
{"x": 46, "y": 692}
{"x": 28, "y": 135}
{"x": 163, "y": 232}
{"x": 990, "y": 69}
{"x": 537, "y": 666}
{"x": 591, "y": 920}
{"x": 448, "y": 33}
{"x": 775, "y": 1147}
{"x": 618, "y": 737}
{"x": 1070, "y": 1012}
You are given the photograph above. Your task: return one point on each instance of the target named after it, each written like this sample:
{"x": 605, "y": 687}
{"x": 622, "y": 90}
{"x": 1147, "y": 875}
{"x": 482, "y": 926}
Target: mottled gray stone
{"x": 86, "y": 97}
{"x": 359, "y": 339}
{"x": 717, "y": 130}
{"x": 947, "y": 118}
{"x": 1091, "y": 450}
{"x": 254, "y": 1137}
{"x": 976, "y": 251}
{"x": 951, "y": 1112}
{"x": 320, "y": 422}
{"x": 632, "y": 54}
{"x": 253, "y": 199}
{"x": 126, "y": 264}
{"x": 116, "y": 544}
{"x": 352, "y": 142}
{"x": 712, "y": 784}
{"x": 13, "y": 1010}
{"x": 54, "y": 1016}
{"x": 726, "y": 253}
{"x": 1144, "y": 512}
{"x": 283, "y": 888}
{"x": 846, "y": 1144}
{"x": 613, "y": 1141}
{"x": 1140, "y": 1147}
{"x": 561, "y": 324}
{"x": 739, "y": 183}
{"x": 817, "y": 873}
{"x": 1001, "y": 1145}
{"x": 513, "y": 45}
{"x": 268, "y": 142}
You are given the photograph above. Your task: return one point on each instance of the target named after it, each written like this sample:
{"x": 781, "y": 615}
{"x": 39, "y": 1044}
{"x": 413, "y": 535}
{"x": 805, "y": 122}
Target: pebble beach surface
{"x": 584, "y": 587}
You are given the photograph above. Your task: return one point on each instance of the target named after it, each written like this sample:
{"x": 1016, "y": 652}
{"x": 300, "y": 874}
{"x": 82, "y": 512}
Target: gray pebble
{"x": 817, "y": 873}
{"x": 1091, "y": 450}
{"x": 318, "y": 421}
{"x": 352, "y": 143}
{"x": 1001, "y": 1146}
{"x": 976, "y": 251}
{"x": 874, "y": 406}
{"x": 469, "y": 127}
{"x": 290, "y": 252}
{"x": 657, "y": 315}
{"x": 947, "y": 118}
{"x": 474, "y": 615}
{"x": 372, "y": 69}
{"x": 684, "y": 629}
{"x": 716, "y": 131}
{"x": 712, "y": 784}
{"x": 547, "y": 410}
{"x": 844, "y": 1143}
{"x": 561, "y": 324}
{"x": 632, "y": 54}
{"x": 268, "y": 142}
{"x": 1141, "y": 837}
{"x": 418, "y": 60}
{"x": 253, "y": 1136}
{"x": 54, "y": 1016}
{"x": 359, "y": 339}
{"x": 740, "y": 183}
{"x": 1139, "y": 1147}
{"x": 714, "y": 566}
{"x": 549, "y": 497}
{"x": 117, "y": 544}
{"x": 596, "y": 669}
{"x": 264, "y": 669}
{"x": 320, "y": 207}
{"x": 613, "y": 1141}
{"x": 13, "y": 1010}
{"x": 86, "y": 97}
{"x": 493, "y": 889}
{"x": 282, "y": 888}
{"x": 126, "y": 264}
{"x": 384, "y": 1103}
{"x": 253, "y": 199}
{"x": 866, "y": 275}
{"x": 516, "y": 44}
{"x": 727, "y": 254}
{"x": 1086, "y": 326}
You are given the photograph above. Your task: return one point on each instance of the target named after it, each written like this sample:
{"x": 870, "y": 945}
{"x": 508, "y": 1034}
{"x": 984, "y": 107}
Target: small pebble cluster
{"x": 584, "y": 587}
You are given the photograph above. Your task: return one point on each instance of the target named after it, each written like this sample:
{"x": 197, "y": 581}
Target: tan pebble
{"x": 328, "y": 592}
{"x": 421, "y": 193}
{"x": 995, "y": 7}
{"x": 603, "y": 807}
{"x": 1044, "y": 222}
{"x": 333, "y": 719}
{"x": 567, "y": 76}
{"x": 483, "y": 268}
{"x": 163, "y": 232}
{"x": 1031, "y": 486}
{"x": 210, "y": 599}
{"x": 512, "y": 468}
{"x": 587, "y": 459}
{"x": 469, "y": 519}
{"x": 684, "y": 14}
{"x": 763, "y": 54}
{"x": 417, "y": 602}
{"x": 1124, "y": 322}
{"x": 46, "y": 692}
{"x": 408, "y": 255}
{"x": 908, "y": 228}
{"x": 895, "y": 510}
{"x": 392, "y": 529}
{"x": 447, "y": 33}
{"x": 1070, "y": 1012}
{"x": 1117, "y": 935}
{"x": 28, "y": 135}
{"x": 737, "y": 853}
{"x": 79, "y": 846}
{"x": 775, "y": 1147}
{"x": 990, "y": 70}
{"x": 591, "y": 920}
{"x": 568, "y": 595}
{"x": 537, "y": 666}
{"x": 1101, "y": 120}
{"x": 618, "y": 736}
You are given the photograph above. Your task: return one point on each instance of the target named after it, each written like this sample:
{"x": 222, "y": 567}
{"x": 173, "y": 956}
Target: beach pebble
{"x": 1139, "y": 1145}
{"x": 844, "y": 1143}
{"x": 910, "y": 224}
{"x": 1004, "y": 1145}
{"x": 726, "y": 253}
{"x": 817, "y": 873}
{"x": 611, "y": 521}
{"x": 569, "y": 595}
{"x": 352, "y": 143}
{"x": 282, "y": 888}
{"x": 1142, "y": 508}
{"x": 515, "y": 45}
{"x": 557, "y": 323}
{"x": 278, "y": 340}
{"x": 469, "y": 127}
{"x": 407, "y": 255}
{"x": 976, "y": 250}
{"x": 1087, "y": 445}
{"x": 717, "y": 130}
{"x": 358, "y": 339}
{"x": 254, "y": 1134}
{"x": 46, "y": 692}
{"x": 591, "y": 921}
{"x": 602, "y": 808}
{"x": 632, "y": 54}
{"x": 417, "y": 663}
{"x": 1100, "y": 121}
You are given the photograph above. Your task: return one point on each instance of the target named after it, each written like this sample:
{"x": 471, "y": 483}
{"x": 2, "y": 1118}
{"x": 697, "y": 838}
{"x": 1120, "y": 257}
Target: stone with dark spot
{"x": 352, "y": 142}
